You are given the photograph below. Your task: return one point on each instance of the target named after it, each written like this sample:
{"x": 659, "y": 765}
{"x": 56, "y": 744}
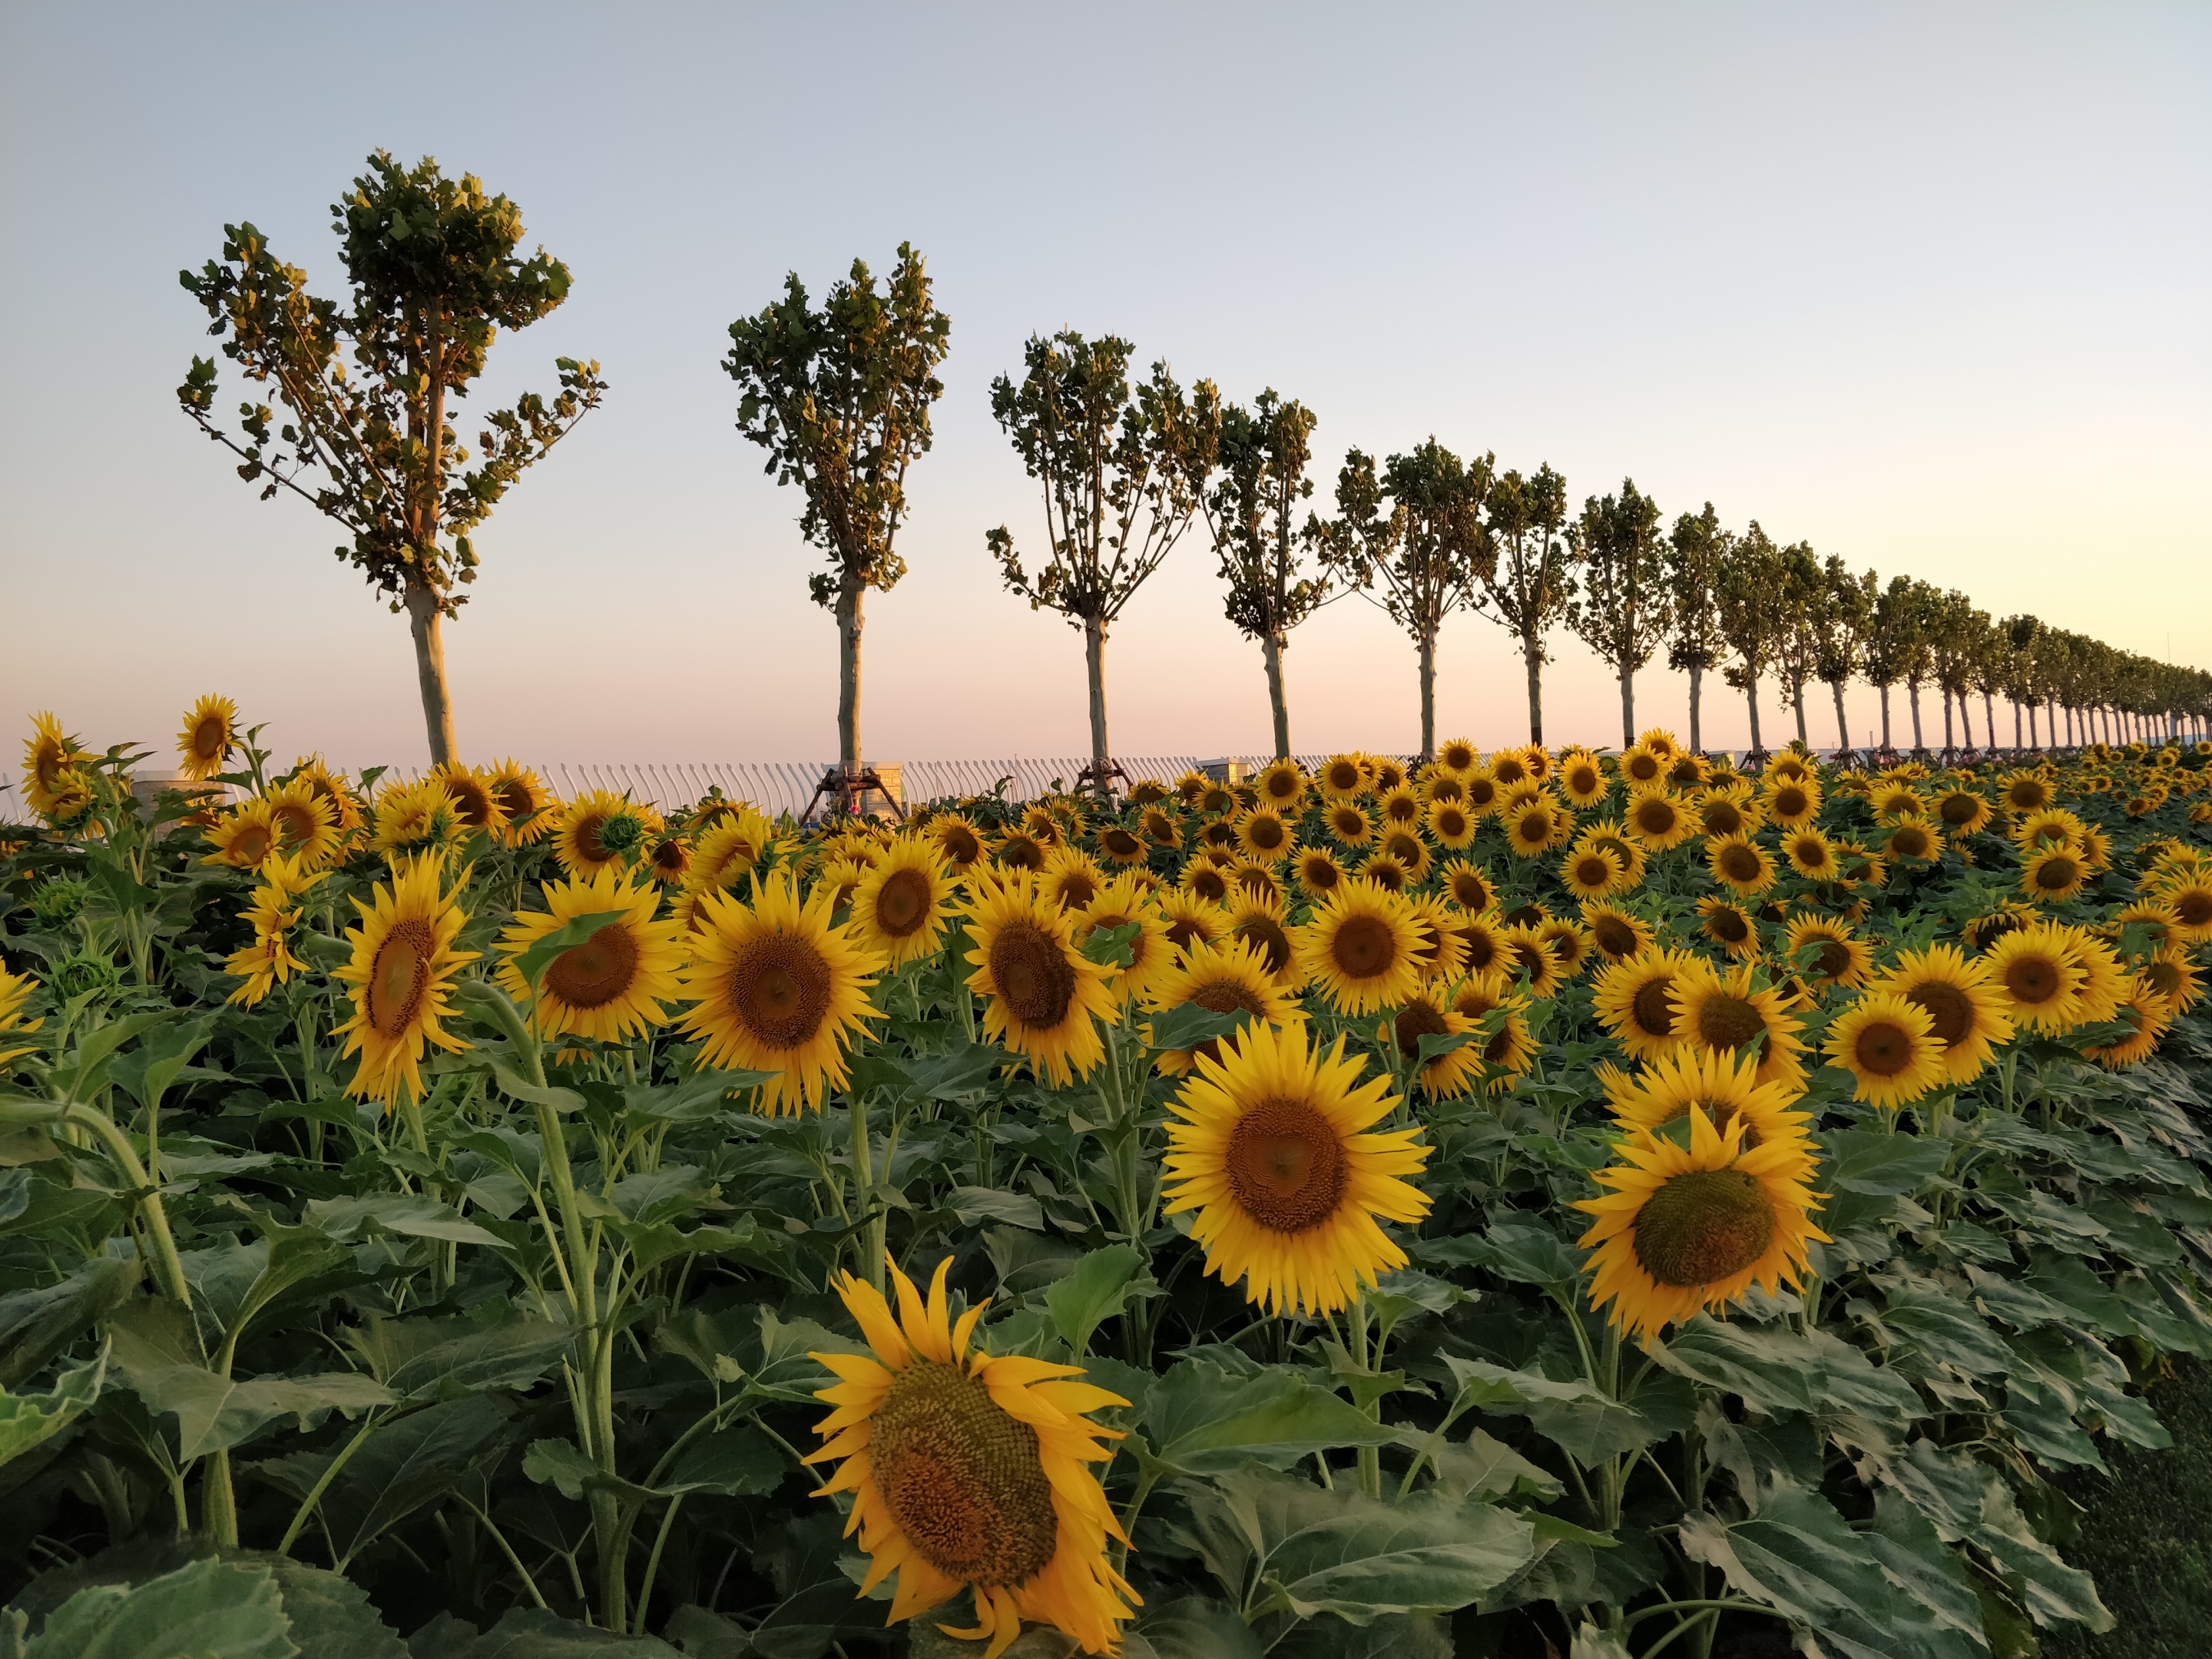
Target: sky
{"x": 1921, "y": 286}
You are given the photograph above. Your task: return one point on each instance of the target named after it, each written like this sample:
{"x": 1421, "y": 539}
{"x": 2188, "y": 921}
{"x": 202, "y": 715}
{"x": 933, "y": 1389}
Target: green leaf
{"x": 739, "y": 1463}
{"x": 1528, "y": 1252}
{"x": 532, "y": 963}
{"x": 1186, "y": 1025}
{"x": 1195, "y": 1627}
{"x": 975, "y": 1206}
{"x": 1882, "y": 1166}
{"x": 1589, "y": 1424}
{"x": 1776, "y": 1368}
{"x": 413, "y": 1215}
{"x": 28, "y": 1420}
{"x": 1204, "y": 1419}
{"x": 428, "y": 1358}
{"x": 534, "y": 1633}
{"x": 36, "y": 1325}
{"x": 1480, "y": 1466}
{"x": 1095, "y": 1292}
{"x": 407, "y": 1464}
{"x": 210, "y": 1609}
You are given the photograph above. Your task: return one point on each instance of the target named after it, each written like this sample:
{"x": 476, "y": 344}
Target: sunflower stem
{"x": 1371, "y": 1458}
{"x": 864, "y": 1185}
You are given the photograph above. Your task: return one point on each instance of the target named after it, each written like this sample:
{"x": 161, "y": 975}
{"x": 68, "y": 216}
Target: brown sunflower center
{"x": 1739, "y": 863}
{"x": 1883, "y": 1047}
{"x": 1729, "y": 926}
{"x": 209, "y": 737}
{"x": 961, "y": 1476}
{"x": 1076, "y": 890}
{"x": 1909, "y": 843}
{"x": 1532, "y": 959}
{"x": 1033, "y": 974}
{"x": 1186, "y": 931}
{"x": 902, "y": 904}
{"x": 250, "y": 845}
{"x": 1266, "y": 935}
{"x": 1415, "y": 1021}
{"x": 596, "y": 972}
{"x": 1655, "y": 818}
{"x": 2194, "y": 907}
{"x": 1451, "y": 822}
{"x": 1344, "y": 774}
{"x": 399, "y": 977}
{"x": 1121, "y": 843}
{"x": 474, "y": 801}
{"x": 1651, "y": 1009}
{"x": 780, "y": 989}
{"x": 1595, "y": 870}
{"x": 1703, "y": 1226}
{"x": 1265, "y": 833}
{"x": 1583, "y": 779}
{"x": 1209, "y": 883}
{"x": 1812, "y": 854}
{"x": 1286, "y": 1166}
{"x": 1020, "y": 853}
{"x": 1959, "y": 811}
{"x": 960, "y": 844}
{"x": 514, "y": 797}
{"x": 1385, "y": 872}
{"x": 1482, "y": 948}
{"x": 295, "y": 823}
{"x": 1727, "y": 1022}
{"x": 2056, "y": 874}
{"x": 1791, "y": 802}
{"x": 584, "y": 831}
{"x": 1532, "y": 828}
{"x": 1363, "y": 947}
{"x": 1722, "y": 818}
{"x": 1615, "y": 937}
{"x": 2032, "y": 980}
{"x": 1834, "y": 960}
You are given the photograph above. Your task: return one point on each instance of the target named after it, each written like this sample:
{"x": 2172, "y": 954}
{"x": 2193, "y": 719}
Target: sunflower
{"x": 1429, "y": 1012}
{"x": 1452, "y": 825}
{"x": 1398, "y": 805}
{"x": 1658, "y": 818}
{"x": 50, "y": 758}
{"x": 1894, "y": 799}
{"x": 1043, "y": 997}
{"x": 2039, "y": 978}
{"x": 1728, "y": 810}
{"x": 1510, "y": 1049}
{"x": 1633, "y": 1000}
{"x": 1381, "y": 869}
{"x": 401, "y": 971}
{"x": 1570, "y": 945}
{"x": 1123, "y": 904}
{"x": 476, "y": 797}
{"x": 307, "y": 823}
{"x": 1468, "y": 886}
{"x": 210, "y": 733}
{"x": 968, "y": 1472}
{"x": 1723, "y": 1087}
{"x": 1741, "y": 865}
{"x": 1018, "y": 850}
{"x": 272, "y": 913}
{"x": 1439, "y": 944}
{"x": 1190, "y": 919}
{"x": 1686, "y": 1227}
{"x": 1965, "y": 1011}
{"x": 600, "y": 830}
{"x": 2026, "y": 792}
{"x": 2053, "y": 874}
{"x": 1482, "y": 942}
{"x": 1385, "y": 775}
{"x": 1039, "y": 823}
{"x": 2049, "y": 825}
{"x": 900, "y": 907}
{"x": 1262, "y": 922}
{"x": 1204, "y": 880}
{"x": 1727, "y": 1012}
{"x": 1527, "y": 957}
{"x": 1343, "y": 777}
{"x": 15, "y": 992}
{"x": 1282, "y": 785}
{"x": 1614, "y": 933}
{"x": 1582, "y": 779}
{"x": 1219, "y": 803}
{"x": 1121, "y": 845}
{"x": 1274, "y": 1146}
{"x": 1590, "y": 872}
{"x": 1810, "y": 853}
{"x": 1608, "y": 837}
{"x": 2105, "y": 982}
{"x": 2171, "y": 977}
{"x": 730, "y": 851}
{"x": 1317, "y": 873}
{"x": 1070, "y": 877}
{"x": 1840, "y": 957}
{"x": 526, "y": 807}
{"x": 1440, "y": 787}
{"x": 1229, "y": 978}
{"x": 245, "y": 836}
{"x": 1535, "y": 825}
{"x": 1962, "y": 812}
{"x": 1160, "y": 828}
{"x": 1263, "y": 833}
{"x": 1731, "y": 927}
{"x": 777, "y": 988}
{"x": 612, "y": 987}
{"x": 2189, "y": 896}
{"x": 1690, "y": 772}
{"x": 416, "y": 817}
{"x": 1507, "y": 768}
{"x": 1408, "y": 849}
{"x": 1361, "y": 949}
{"x": 1641, "y": 767}
{"x": 1791, "y": 802}
{"x": 2148, "y": 1016}
{"x": 1458, "y": 755}
{"x": 1191, "y": 785}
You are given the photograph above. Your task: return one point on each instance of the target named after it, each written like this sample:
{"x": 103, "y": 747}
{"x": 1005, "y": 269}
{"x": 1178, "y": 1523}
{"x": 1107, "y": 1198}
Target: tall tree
{"x": 436, "y": 274}
{"x": 840, "y": 398}
{"x": 1796, "y": 655}
{"x": 1424, "y": 558}
{"x": 1918, "y": 615}
{"x": 1841, "y": 622}
{"x": 1890, "y": 643}
{"x": 1531, "y": 580}
{"x": 1988, "y": 674}
{"x": 1251, "y": 512}
{"x": 2020, "y": 634}
{"x": 1754, "y": 608}
{"x": 1956, "y": 629}
{"x": 1124, "y": 470}
{"x": 1625, "y": 607}
{"x": 1696, "y": 549}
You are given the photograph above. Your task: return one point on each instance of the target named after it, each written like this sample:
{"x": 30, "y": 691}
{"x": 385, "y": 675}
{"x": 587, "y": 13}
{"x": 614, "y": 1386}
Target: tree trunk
{"x": 1428, "y": 696}
{"x": 1919, "y": 743}
{"x": 1885, "y": 715}
{"x": 1094, "y": 663}
{"x": 1843, "y": 728}
{"x": 1531, "y": 654}
{"x": 2015, "y": 724}
{"x": 2051, "y": 718}
{"x": 1990, "y": 719}
{"x": 1947, "y": 744}
{"x": 1279, "y": 705}
{"x": 427, "y": 623}
{"x": 850, "y": 620}
{"x": 1696, "y": 675}
{"x": 1750, "y": 696}
{"x": 1627, "y": 708}
{"x": 2033, "y": 741}
{"x": 1797, "y": 701}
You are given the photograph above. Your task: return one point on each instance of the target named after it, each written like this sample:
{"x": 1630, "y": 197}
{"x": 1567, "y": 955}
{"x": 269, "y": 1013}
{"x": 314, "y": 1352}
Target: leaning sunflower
{"x": 272, "y": 912}
{"x": 524, "y": 798}
{"x": 1889, "y": 1046}
{"x": 612, "y": 987}
{"x": 1634, "y": 1000}
{"x": 1688, "y": 1227}
{"x": 1429, "y": 1012}
{"x": 1511, "y": 1048}
{"x": 1360, "y": 948}
{"x": 1274, "y": 1147}
{"x": 1043, "y": 997}
{"x": 245, "y": 836}
{"x": 307, "y": 823}
{"x": 1839, "y": 955}
{"x": 1725, "y": 1088}
{"x": 475, "y": 796}
{"x": 401, "y": 971}
{"x": 968, "y": 1472}
{"x": 1616, "y": 933}
{"x": 15, "y": 991}
{"x": 901, "y": 905}
{"x": 210, "y": 733}
{"x": 778, "y": 988}
{"x": 415, "y": 818}
{"x": 1729, "y": 925}
{"x": 49, "y": 755}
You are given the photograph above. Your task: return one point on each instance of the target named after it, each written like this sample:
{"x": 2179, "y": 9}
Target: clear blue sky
{"x": 1924, "y": 286}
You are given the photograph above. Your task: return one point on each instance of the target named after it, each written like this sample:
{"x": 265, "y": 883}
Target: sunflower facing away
{"x": 401, "y": 971}
{"x": 209, "y": 734}
{"x": 1043, "y": 997}
{"x": 612, "y": 987}
{"x": 417, "y": 817}
{"x": 779, "y": 989}
{"x": 272, "y": 912}
{"x": 1360, "y": 948}
{"x": 901, "y": 905}
{"x": 968, "y": 1471}
{"x": 1889, "y": 1046}
{"x": 1684, "y": 1227}
{"x": 49, "y": 757}
{"x": 1275, "y": 1146}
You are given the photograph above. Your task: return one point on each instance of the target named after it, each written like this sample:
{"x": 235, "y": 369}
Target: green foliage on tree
{"x": 368, "y": 388}
{"x": 1839, "y": 623}
{"x": 1251, "y": 511}
{"x": 1697, "y": 550}
{"x": 1124, "y": 470}
{"x": 1530, "y": 581}
{"x": 1625, "y": 608}
{"x": 1796, "y": 655}
{"x": 1754, "y": 601}
{"x": 839, "y": 397}
{"x": 1424, "y": 558}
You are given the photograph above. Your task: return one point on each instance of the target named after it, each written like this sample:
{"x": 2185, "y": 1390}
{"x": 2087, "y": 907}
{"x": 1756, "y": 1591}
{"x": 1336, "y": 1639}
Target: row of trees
{"x": 839, "y": 396}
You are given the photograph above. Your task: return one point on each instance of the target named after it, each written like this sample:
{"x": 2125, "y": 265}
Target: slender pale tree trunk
{"x": 1271, "y": 649}
{"x": 1947, "y": 744}
{"x": 1094, "y": 666}
{"x": 851, "y": 618}
{"x": 428, "y": 624}
{"x": 2051, "y": 718}
{"x": 2014, "y": 701}
{"x": 1918, "y": 743}
{"x": 2033, "y": 741}
{"x": 1532, "y": 656}
{"x": 1751, "y": 698}
{"x": 1797, "y": 701}
{"x": 1697, "y": 677}
{"x": 1627, "y": 708}
{"x": 1843, "y": 729}
{"x": 1990, "y": 719}
{"x": 1428, "y": 696}
{"x": 1886, "y": 743}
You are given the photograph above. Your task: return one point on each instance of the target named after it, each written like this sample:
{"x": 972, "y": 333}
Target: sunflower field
{"x": 1531, "y": 1204}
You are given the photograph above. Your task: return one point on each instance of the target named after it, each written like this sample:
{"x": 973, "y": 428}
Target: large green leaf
{"x": 1882, "y": 1166}
{"x": 36, "y": 1325}
{"x": 208, "y": 1609}
{"x": 434, "y": 1358}
{"x": 1777, "y": 1368}
{"x": 1203, "y": 1419}
{"x": 28, "y": 1420}
{"x": 534, "y": 1633}
{"x": 408, "y": 1463}
{"x": 1195, "y": 1627}
{"x": 1584, "y": 1421}
{"x": 1095, "y": 1292}
{"x": 411, "y": 1215}
{"x": 212, "y": 1411}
